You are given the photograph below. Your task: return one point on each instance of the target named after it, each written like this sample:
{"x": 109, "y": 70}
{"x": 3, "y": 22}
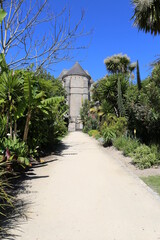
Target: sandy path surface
{"x": 89, "y": 195}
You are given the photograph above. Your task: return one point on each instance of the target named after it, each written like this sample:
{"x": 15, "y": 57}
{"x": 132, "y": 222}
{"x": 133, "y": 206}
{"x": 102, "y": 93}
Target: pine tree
{"x": 138, "y": 77}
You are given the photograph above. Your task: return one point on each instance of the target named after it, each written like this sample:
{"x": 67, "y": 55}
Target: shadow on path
{"x": 13, "y": 214}
{"x": 17, "y": 215}
{"x": 60, "y": 148}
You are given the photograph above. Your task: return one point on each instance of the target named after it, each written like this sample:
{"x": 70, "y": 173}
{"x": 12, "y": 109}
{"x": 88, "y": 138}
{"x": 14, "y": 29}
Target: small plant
{"x": 15, "y": 146}
{"x": 108, "y": 135}
{"x": 126, "y": 144}
{"x": 144, "y": 157}
{"x": 94, "y": 133}
{"x": 120, "y": 126}
{"x": 115, "y": 125}
{"x": 15, "y": 154}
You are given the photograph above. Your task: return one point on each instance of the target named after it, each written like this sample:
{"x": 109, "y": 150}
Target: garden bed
{"x": 127, "y": 161}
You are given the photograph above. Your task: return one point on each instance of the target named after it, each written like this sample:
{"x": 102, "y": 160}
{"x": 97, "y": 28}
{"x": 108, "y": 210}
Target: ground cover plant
{"x": 94, "y": 133}
{"x": 126, "y": 144}
{"x": 145, "y": 156}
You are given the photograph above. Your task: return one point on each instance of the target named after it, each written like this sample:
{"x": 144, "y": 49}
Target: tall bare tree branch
{"x": 22, "y": 41}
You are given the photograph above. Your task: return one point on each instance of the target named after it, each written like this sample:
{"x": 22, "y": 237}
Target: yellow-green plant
{"x": 94, "y": 133}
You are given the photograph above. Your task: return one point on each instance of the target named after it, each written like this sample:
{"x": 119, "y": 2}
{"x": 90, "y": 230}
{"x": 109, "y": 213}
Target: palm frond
{"x": 147, "y": 15}
{"x": 28, "y": 88}
{"x": 52, "y": 100}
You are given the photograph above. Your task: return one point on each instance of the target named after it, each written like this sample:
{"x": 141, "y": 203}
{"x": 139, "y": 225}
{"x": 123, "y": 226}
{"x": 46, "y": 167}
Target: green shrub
{"x": 118, "y": 125}
{"x": 18, "y": 159}
{"x": 126, "y": 144}
{"x": 15, "y": 146}
{"x": 90, "y": 124}
{"x": 144, "y": 157}
{"x": 94, "y": 133}
{"x": 108, "y": 134}
{"x": 155, "y": 149}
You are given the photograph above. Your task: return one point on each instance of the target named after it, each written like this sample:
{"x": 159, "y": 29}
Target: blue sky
{"x": 113, "y": 33}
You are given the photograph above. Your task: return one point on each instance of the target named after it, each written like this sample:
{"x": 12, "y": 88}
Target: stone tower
{"x": 77, "y": 83}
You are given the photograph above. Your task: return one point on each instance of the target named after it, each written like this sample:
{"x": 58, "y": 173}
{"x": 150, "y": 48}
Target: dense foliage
{"x": 32, "y": 118}
{"x": 126, "y": 115}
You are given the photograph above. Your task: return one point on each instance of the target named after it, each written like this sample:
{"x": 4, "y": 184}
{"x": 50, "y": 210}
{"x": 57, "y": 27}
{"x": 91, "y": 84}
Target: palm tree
{"x": 119, "y": 63}
{"x": 147, "y": 15}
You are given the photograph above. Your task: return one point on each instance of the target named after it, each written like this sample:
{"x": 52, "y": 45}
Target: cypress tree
{"x": 138, "y": 77}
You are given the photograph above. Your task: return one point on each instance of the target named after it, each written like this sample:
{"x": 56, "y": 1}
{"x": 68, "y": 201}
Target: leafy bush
{"x": 108, "y": 134}
{"x": 126, "y": 144}
{"x": 15, "y": 146}
{"x": 94, "y": 133}
{"x": 15, "y": 154}
{"x": 112, "y": 128}
{"x": 90, "y": 124}
{"x": 144, "y": 157}
{"x": 118, "y": 125}
{"x": 90, "y": 121}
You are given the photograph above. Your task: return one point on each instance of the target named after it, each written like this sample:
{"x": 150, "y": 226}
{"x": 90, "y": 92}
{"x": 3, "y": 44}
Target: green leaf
{"x": 52, "y": 100}
{"x": 28, "y": 89}
{"x": 2, "y": 101}
{"x": 2, "y": 15}
{"x": 39, "y": 95}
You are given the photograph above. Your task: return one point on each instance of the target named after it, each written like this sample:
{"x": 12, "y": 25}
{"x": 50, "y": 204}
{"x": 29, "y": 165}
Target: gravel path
{"x": 89, "y": 195}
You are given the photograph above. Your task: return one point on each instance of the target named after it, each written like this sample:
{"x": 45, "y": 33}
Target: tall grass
{"x": 6, "y": 199}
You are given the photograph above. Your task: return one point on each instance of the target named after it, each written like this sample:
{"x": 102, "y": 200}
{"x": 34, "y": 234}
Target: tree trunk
{"x": 25, "y": 136}
{"x": 10, "y": 126}
{"x": 15, "y": 130}
{"x": 138, "y": 77}
{"x": 121, "y": 108}
{"x": 7, "y": 123}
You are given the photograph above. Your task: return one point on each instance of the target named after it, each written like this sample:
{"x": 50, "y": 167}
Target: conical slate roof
{"x": 62, "y": 74}
{"x": 76, "y": 70}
